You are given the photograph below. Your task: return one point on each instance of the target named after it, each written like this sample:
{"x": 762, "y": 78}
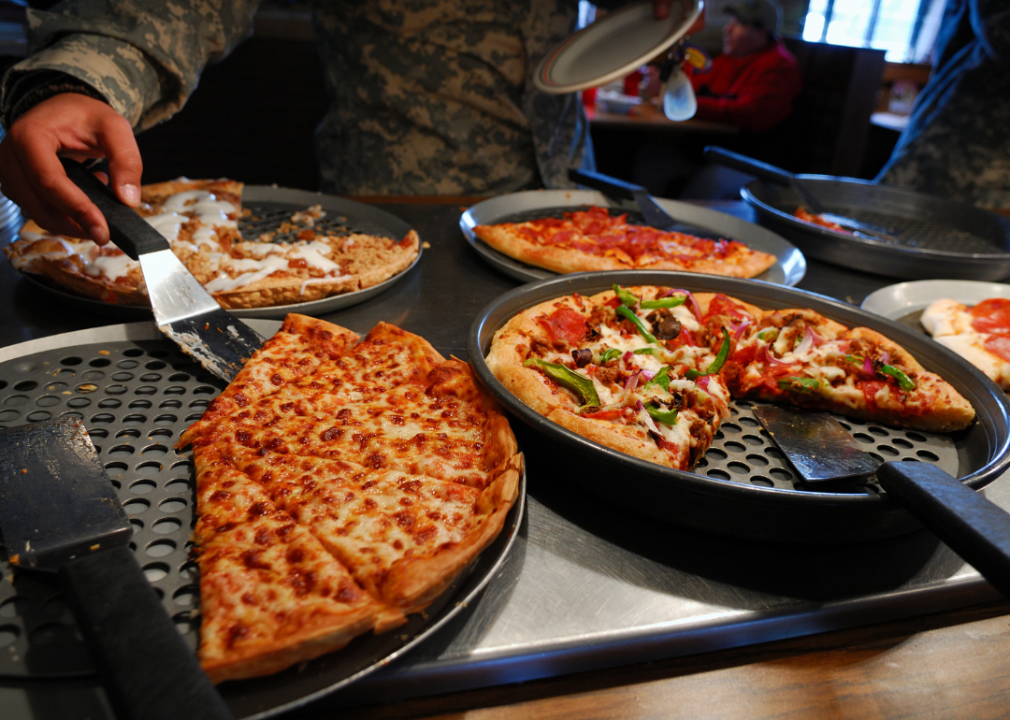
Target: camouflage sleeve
{"x": 991, "y": 21}
{"x": 144, "y": 59}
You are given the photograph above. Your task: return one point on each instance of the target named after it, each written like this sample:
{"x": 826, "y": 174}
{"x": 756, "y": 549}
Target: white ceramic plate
{"x": 899, "y": 301}
{"x": 617, "y": 44}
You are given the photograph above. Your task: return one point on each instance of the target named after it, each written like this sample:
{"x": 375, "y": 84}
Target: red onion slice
{"x": 695, "y": 307}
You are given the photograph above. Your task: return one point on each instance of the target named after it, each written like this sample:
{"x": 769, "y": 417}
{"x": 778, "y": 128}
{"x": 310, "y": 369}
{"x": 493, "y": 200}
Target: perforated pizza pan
{"x": 743, "y": 486}
{"x": 136, "y": 392}
{"x": 935, "y": 237}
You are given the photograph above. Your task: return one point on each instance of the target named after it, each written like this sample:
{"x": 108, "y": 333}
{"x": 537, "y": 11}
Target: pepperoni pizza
{"x": 980, "y": 334}
{"x": 593, "y": 239}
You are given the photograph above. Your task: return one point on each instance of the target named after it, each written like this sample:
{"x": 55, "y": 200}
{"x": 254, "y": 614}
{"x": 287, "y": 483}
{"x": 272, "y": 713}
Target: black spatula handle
{"x": 762, "y": 170}
{"x": 131, "y": 233}
{"x": 970, "y": 525}
{"x": 148, "y": 671}
{"x": 610, "y": 185}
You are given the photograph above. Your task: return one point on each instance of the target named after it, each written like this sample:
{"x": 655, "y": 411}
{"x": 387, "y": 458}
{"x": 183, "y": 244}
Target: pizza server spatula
{"x": 820, "y": 449}
{"x": 59, "y": 513}
{"x": 652, "y": 212}
{"x": 183, "y": 309}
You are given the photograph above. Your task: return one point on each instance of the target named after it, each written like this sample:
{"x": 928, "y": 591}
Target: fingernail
{"x": 99, "y": 234}
{"x": 131, "y": 194}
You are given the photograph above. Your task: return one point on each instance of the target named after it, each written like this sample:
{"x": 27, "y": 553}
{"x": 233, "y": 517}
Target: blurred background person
{"x": 957, "y": 141}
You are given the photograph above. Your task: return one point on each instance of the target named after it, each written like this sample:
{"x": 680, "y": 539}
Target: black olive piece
{"x": 582, "y": 357}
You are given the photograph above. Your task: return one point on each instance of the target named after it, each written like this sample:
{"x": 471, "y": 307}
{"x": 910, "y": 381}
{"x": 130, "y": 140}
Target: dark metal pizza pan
{"x": 136, "y": 392}
{"x": 743, "y": 486}
{"x": 789, "y": 268}
{"x": 270, "y": 206}
{"x": 935, "y": 237}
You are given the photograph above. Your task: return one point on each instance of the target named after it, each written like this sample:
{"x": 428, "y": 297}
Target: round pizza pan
{"x": 136, "y": 392}
{"x": 743, "y": 486}
{"x": 789, "y": 268}
{"x": 935, "y": 237}
{"x": 270, "y": 206}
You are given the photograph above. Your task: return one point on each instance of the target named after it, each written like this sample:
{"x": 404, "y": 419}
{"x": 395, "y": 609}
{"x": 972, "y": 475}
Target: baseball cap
{"x": 764, "y": 14}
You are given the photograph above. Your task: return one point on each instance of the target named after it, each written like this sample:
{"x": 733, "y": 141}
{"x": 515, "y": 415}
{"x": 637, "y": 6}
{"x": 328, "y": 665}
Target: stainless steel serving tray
{"x": 136, "y": 392}
{"x": 743, "y": 486}
{"x": 937, "y": 237}
{"x": 789, "y": 268}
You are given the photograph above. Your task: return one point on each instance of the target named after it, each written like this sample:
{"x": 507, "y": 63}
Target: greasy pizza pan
{"x": 136, "y": 392}
{"x": 743, "y": 486}
{"x": 936, "y": 237}
{"x": 789, "y": 268}
{"x": 268, "y": 208}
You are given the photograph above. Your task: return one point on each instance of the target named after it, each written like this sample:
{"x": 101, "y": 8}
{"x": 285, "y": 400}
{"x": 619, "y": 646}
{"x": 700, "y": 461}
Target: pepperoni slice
{"x": 566, "y": 326}
{"x": 992, "y": 316}
{"x": 998, "y": 345}
{"x": 722, "y": 305}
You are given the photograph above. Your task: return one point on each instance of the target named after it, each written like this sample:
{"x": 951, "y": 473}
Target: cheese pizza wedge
{"x": 270, "y": 594}
{"x": 340, "y": 487}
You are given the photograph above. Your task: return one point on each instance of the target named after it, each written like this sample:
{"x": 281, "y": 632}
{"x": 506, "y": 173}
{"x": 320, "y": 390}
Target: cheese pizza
{"x": 341, "y": 485}
{"x": 200, "y": 218}
{"x": 650, "y": 371}
{"x": 593, "y": 239}
{"x": 980, "y": 333}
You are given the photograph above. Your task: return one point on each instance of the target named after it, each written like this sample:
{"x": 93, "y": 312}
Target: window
{"x": 904, "y": 28}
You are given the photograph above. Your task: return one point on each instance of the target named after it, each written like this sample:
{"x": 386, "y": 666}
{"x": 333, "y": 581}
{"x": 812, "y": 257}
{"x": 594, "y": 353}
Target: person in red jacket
{"x": 753, "y": 83}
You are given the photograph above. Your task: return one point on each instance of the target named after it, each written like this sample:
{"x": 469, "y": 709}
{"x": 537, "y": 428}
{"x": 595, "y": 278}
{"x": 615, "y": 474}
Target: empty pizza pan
{"x": 743, "y": 486}
{"x": 936, "y": 237}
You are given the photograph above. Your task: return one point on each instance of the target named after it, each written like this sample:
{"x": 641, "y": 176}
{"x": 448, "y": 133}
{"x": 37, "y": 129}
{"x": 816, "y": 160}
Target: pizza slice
{"x": 802, "y": 358}
{"x": 442, "y": 425}
{"x": 404, "y": 537}
{"x": 593, "y": 239}
{"x": 980, "y": 334}
{"x": 270, "y": 595}
{"x": 300, "y": 346}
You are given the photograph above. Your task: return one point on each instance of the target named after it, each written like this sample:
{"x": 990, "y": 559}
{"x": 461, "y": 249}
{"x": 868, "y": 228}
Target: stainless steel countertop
{"x": 587, "y": 585}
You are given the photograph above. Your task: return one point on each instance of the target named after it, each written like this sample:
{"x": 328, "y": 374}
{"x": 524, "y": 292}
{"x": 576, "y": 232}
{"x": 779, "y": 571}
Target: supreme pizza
{"x": 342, "y": 483}
{"x": 200, "y": 220}
{"x": 980, "y": 333}
{"x": 650, "y": 371}
{"x": 593, "y": 239}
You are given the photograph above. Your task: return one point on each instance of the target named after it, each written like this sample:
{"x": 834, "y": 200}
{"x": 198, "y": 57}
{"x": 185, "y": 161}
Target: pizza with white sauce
{"x": 200, "y": 219}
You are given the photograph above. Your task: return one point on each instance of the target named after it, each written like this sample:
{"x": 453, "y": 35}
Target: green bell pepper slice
{"x": 667, "y": 417}
{"x": 904, "y": 382}
{"x": 626, "y": 312}
{"x": 570, "y": 379}
{"x": 670, "y": 301}
{"x": 609, "y": 355}
{"x": 716, "y": 365}
{"x": 625, "y": 297}
{"x": 799, "y": 384}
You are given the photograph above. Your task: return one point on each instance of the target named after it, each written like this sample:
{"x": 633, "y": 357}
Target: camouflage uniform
{"x": 957, "y": 143}
{"x": 429, "y": 97}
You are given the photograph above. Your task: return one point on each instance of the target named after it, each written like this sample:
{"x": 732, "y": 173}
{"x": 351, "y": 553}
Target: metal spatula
{"x": 183, "y": 309}
{"x": 820, "y": 449}
{"x": 59, "y": 513}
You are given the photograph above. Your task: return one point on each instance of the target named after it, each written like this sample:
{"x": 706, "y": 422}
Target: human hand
{"x": 78, "y": 127}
